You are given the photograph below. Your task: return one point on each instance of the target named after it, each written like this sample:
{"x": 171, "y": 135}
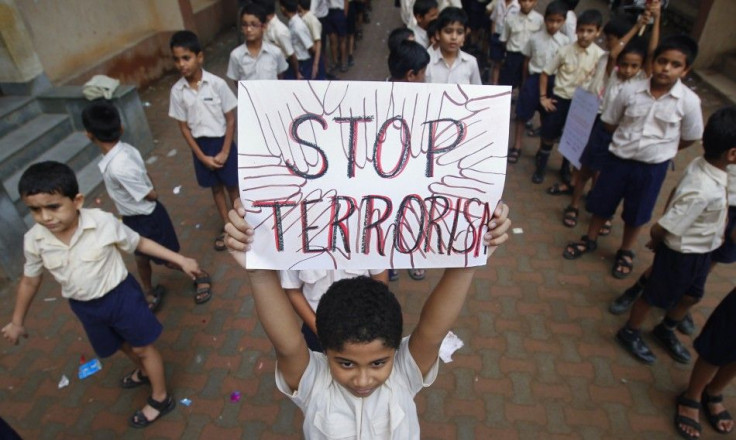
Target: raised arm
{"x": 447, "y": 299}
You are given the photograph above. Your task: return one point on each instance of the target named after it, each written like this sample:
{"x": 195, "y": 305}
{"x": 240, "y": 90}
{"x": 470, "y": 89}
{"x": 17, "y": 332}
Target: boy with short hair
{"x": 651, "y": 121}
{"x": 538, "y": 51}
{"x": 204, "y": 107}
{"x": 683, "y": 239}
{"x": 301, "y": 39}
{"x": 130, "y": 188}
{"x": 408, "y": 63}
{"x": 517, "y": 31}
{"x": 448, "y": 63}
{"x": 315, "y": 29}
{"x": 277, "y": 33}
{"x": 500, "y": 10}
{"x": 255, "y": 58}
{"x": 574, "y": 66}
{"x": 81, "y": 249}
{"x": 424, "y": 12}
{"x": 359, "y": 325}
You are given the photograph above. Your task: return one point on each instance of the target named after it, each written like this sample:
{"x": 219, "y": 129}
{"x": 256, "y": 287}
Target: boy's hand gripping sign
{"x": 369, "y": 175}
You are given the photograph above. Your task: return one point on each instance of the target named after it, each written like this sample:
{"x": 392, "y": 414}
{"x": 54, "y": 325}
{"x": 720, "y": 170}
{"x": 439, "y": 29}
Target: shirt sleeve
{"x": 408, "y": 370}
{"x": 305, "y": 36}
{"x": 526, "y": 50}
{"x": 233, "y": 72}
{"x": 612, "y": 113}
{"x": 475, "y": 73}
{"x": 281, "y": 64}
{"x": 285, "y": 42}
{"x": 33, "y": 266}
{"x": 691, "y": 128}
{"x": 314, "y": 379}
{"x": 682, "y": 212}
{"x": 290, "y": 279}
{"x": 126, "y": 239}
{"x": 133, "y": 179}
{"x": 506, "y": 30}
{"x": 227, "y": 97}
{"x": 176, "y": 105}
{"x": 554, "y": 63}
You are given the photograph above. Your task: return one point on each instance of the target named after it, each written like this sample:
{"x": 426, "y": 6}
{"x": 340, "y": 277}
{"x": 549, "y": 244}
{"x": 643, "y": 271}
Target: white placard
{"x": 578, "y": 125}
{"x": 370, "y": 175}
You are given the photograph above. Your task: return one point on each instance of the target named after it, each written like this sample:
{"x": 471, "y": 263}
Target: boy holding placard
{"x": 448, "y": 64}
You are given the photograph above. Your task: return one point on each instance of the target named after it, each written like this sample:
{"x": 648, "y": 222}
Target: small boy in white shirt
{"x": 301, "y": 39}
{"x": 500, "y": 10}
{"x": 424, "y": 12}
{"x": 315, "y": 29}
{"x": 277, "y": 33}
{"x": 255, "y": 58}
{"x": 448, "y": 64}
{"x": 517, "y": 30}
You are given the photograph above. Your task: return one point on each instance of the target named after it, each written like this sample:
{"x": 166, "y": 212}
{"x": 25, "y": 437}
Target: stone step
{"x": 23, "y": 145}
{"x": 728, "y": 66}
{"x": 75, "y": 150}
{"x": 16, "y": 111}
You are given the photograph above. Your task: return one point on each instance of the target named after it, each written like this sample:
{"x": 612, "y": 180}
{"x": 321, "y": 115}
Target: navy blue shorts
{"x": 675, "y": 275}
{"x": 477, "y": 17}
{"x": 528, "y": 101}
{"x": 727, "y": 252}
{"x": 354, "y": 9}
{"x": 716, "y": 343}
{"x": 498, "y": 49}
{"x": 637, "y": 183}
{"x": 155, "y": 226}
{"x": 554, "y": 122}
{"x": 311, "y": 339}
{"x": 596, "y": 152}
{"x": 512, "y": 69}
{"x": 336, "y": 22}
{"x": 227, "y": 175}
{"x": 122, "y": 315}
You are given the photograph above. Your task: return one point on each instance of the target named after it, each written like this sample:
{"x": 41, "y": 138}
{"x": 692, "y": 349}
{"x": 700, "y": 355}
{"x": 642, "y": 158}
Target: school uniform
{"x": 500, "y": 12}
{"x": 301, "y": 39}
{"x": 647, "y": 137}
{"x": 277, "y": 33}
{"x": 694, "y": 221}
{"x": 540, "y": 49}
{"x": 517, "y": 31}
{"x": 268, "y": 64}
{"x": 463, "y": 71}
{"x": 90, "y": 269}
{"x": 727, "y": 252}
{"x": 314, "y": 284}
{"x": 420, "y": 35}
{"x": 573, "y": 67}
{"x": 331, "y": 411}
{"x": 315, "y": 29}
{"x": 127, "y": 182}
{"x": 716, "y": 343}
{"x": 336, "y": 22}
{"x": 204, "y": 112}
{"x": 570, "y": 26}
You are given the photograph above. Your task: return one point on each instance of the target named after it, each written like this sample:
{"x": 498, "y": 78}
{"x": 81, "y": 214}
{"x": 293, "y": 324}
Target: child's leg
{"x": 153, "y": 367}
{"x": 233, "y": 193}
{"x": 145, "y": 273}
{"x": 714, "y": 389}
{"x": 701, "y": 375}
{"x": 583, "y": 176}
{"x": 515, "y": 151}
{"x": 638, "y": 314}
{"x": 333, "y": 50}
{"x": 218, "y": 194}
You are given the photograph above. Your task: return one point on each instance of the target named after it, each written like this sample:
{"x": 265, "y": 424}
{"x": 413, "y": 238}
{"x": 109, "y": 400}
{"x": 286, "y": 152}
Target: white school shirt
{"x": 126, "y": 180}
{"x": 442, "y": 4}
{"x": 301, "y": 37}
{"x": 319, "y": 8}
{"x": 570, "y": 25}
{"x": 277, "y": 33}
{"x": 336, "y": 4}
{"x": 613, "y": 86}
{"x": 649, "y": 130}
{"x": 420, "y": 35}
{"x": 203, "y": 110}
{"x": 267, "y": 64}
{"x": 315, "y": 27}
{"x": 519, "y": 28}
{"x": 331, "y": 411}
{"x": 542, "y": 47}
{"x": 91, "y": 264}
{"x": 695, "y": 219}
{"x": 314, "y": 283}
{"x": 463, "y": 71}
{"x": 501, "y": 12}
{"x": 407, "y": 12}
{"x": 731, "y": 185}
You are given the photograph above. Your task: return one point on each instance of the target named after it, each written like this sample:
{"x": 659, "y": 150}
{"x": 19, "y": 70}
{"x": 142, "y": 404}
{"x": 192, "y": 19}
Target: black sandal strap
{"x": 159, "y": 406}
{"x": 684, "y": 401}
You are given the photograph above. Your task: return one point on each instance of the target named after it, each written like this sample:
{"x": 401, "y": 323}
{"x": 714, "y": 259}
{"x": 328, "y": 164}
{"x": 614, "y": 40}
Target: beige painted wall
{"x": 18, "y": 60}
{"x": 71, "y": 35}
{"x": 719, "y": 33}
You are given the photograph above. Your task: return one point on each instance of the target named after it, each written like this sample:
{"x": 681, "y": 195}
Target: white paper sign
{"x": 370, "y": 175}
{"x": 578, "y": 125}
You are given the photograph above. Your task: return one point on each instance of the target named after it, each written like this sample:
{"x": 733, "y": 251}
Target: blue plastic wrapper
{"x": 89, "y": 368}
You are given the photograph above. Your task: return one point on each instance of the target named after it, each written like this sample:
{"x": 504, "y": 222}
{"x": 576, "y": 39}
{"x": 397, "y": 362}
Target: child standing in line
{"x": 571, "y": 20}
{"x": 301, "y": 38}
{"x": 683, "y": 239}
{"x": 315, "y": 30}
{"x": 517, "y": 31}
{"x": 500, "y": 10}
{"x": 336, "y": 26}
{"x": 651, "y": 121}
{"x": 277, "y": 33}
{"x": 204, "y": 106}
{"x": 255, "y": 58}
{"x": 538, "y": 51}
{"x": 448, "y": 64}
{"x": 407, "y": 63}
{"x": 424, "y": 12}
{"x": 81, "y": 249}
{"x": 574, "y": 66}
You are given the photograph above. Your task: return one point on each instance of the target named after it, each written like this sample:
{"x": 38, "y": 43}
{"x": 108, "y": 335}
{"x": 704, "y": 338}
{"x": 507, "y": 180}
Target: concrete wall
{"x": 715, "y": 31}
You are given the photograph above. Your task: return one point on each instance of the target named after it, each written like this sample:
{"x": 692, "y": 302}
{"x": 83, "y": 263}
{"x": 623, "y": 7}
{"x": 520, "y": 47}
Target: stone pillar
{"x": 714, "y": 31}
{"x": 21, "y": 72}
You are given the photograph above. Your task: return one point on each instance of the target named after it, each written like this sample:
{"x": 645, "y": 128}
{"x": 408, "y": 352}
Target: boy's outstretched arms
{"x": 274, "y": 310}
{"x": 27, "y": 289}
{"x": 447, "y": 299}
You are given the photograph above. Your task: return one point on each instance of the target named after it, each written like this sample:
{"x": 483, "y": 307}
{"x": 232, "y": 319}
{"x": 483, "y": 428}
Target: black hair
{"x": 432, "y": 28}
{"x": 48, "y": 178}
{"x": 570, "y": 4}
{"x": 305, "y": 4}
{"x": 289, "y": 5}
{"x": 591, "y": 16}
{"x": 557, "y": 7}
{"x": 719, "y": 135}
{"x": 408, "y": 56}
{"x": 268, "y": 5}
{"x": 680, "y": 43}
{"x": 186, "y": 40}
{"x": 255, "y": 10}
{"x": 102, "y": 120}
{"x": 397, "y": 36}
{"x": 358, "y": 310}
{"x": 618, "y": 27}
{"x": 451, "y": 15}
{"x": 422, "y": 7}
{"x": 637, "y": 45}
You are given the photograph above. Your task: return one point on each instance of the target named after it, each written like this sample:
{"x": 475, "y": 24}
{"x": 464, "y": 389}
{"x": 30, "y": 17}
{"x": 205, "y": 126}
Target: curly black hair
{"x": 358, "y": 310}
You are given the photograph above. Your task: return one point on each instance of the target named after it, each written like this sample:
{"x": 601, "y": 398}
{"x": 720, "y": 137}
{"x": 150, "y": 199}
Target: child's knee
{"x": 144, "y": 351}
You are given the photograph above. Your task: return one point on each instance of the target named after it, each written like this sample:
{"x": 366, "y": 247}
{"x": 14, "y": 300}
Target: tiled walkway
{"x": 539, "y": 359}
